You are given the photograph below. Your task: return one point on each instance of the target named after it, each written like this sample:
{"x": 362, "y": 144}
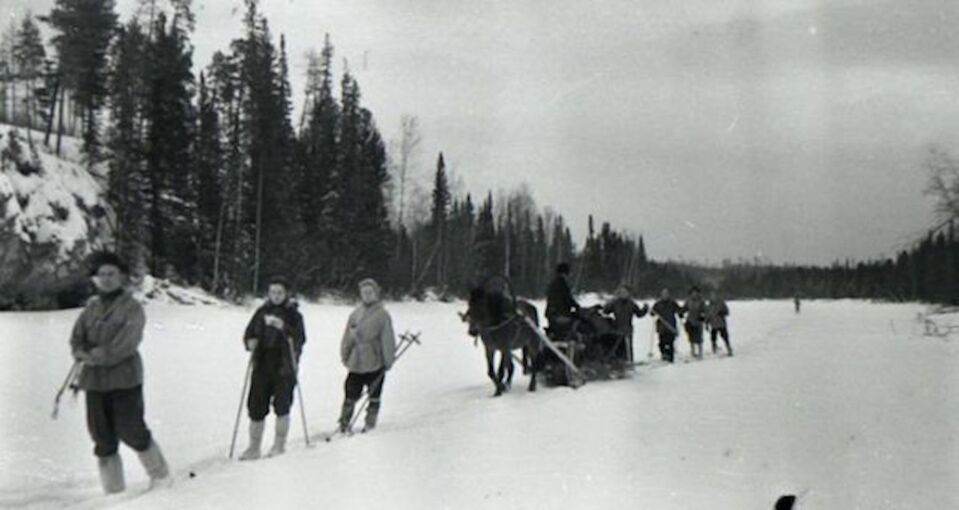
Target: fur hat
{"x": 106, "y": 258}
{"x": 369, "y": 282}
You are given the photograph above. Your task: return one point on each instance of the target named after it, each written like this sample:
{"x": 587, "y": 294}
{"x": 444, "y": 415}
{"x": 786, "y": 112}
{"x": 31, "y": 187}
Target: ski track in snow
{"x": 832, "y": 404}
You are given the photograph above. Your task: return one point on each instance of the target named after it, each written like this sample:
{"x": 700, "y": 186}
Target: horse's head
{"x": 477, "y": 311}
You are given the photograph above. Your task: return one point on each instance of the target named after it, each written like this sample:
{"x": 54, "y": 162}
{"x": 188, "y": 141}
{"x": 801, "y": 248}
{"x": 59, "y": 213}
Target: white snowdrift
{"x": 843, "y": 404}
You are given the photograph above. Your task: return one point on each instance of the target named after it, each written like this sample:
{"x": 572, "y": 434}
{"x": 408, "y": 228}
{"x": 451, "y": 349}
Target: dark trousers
{"x": 355, "y": 382}
{"x": 628, "y": 340}
{"x": 268, "y": 385}
{"x": 723, "y": 332}
{"x": 114, "y": 416}
{"x": 353, "y": 389}
{"x": 666, "y": 348}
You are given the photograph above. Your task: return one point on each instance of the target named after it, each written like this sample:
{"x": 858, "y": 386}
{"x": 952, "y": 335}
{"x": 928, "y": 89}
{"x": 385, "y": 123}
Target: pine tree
{"x": 85, "y": 29}
{"x": 318, "y": 160}
{"x": 29, "y": 55}
{"x": 282, "y": 247}
{"x": 127, "y": 190}
{"x": 170, "y": 132}
{"x": 438, "y": 221}
{"x": 484, "y": 244}
{"x": 211, "y": 183}
{"x": 373, "y": 228}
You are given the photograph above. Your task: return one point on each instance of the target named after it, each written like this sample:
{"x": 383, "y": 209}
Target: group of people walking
{"x": 699, "y": 315}
{"x": 562, "y": 311}
{"x": 108, "y": 367}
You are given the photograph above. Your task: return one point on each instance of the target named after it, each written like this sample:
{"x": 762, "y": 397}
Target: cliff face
{"x": 53, "y": 212}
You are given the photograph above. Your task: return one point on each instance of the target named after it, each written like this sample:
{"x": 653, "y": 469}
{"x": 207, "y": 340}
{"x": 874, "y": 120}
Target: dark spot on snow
{"x": 786, "y": 502}
{"x": 728, "y": 452}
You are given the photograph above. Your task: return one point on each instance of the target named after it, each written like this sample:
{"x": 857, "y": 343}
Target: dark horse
{"x": 503, "y": 327}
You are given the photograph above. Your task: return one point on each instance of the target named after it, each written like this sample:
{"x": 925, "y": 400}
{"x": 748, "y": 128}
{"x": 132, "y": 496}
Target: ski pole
{"x": 239, "y": 409}
{"x": 74, "y": 370}
{"x": 406, "y": 340}
{"x": 299, "y": 390}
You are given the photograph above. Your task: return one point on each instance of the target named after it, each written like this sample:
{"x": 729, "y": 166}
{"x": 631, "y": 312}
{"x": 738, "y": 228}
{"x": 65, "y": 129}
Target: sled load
{"x": 593, "y": 345}
{"x": 589, "y": 348}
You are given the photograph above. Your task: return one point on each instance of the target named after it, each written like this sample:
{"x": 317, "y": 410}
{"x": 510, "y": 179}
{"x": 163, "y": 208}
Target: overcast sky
{"x": 790, "y": 129}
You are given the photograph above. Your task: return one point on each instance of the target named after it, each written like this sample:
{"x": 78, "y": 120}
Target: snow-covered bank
{"x": 843, "y": 402}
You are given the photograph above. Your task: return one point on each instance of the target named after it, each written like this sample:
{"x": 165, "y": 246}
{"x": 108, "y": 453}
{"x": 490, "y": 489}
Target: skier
{"x": 561, "y": 306}
{"x": 665, "y": 311}
{"x": 796, "y": 302}
{"x": 695, "y": 311}
{"x": 623, "y": 309}
{"x": 716, "y": 313}
{"x": 367, "y": 350}
{"x": 105, "y": 340}
{"x": 274, "y": 335}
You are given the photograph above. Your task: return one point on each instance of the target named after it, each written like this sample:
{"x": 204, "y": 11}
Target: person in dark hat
{"x": 664, "y": 311}
{"x": 275, "y": 336}
{"x": 624, "y": 309}
{"x": 695, "y": 310}
{"x": 105, "y": 341}
{"x": 561, "y": 306}
{"x": 716, "y": 313}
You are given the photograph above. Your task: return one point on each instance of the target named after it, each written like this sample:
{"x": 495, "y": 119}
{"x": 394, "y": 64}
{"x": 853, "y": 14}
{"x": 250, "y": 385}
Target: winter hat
{"x": 369, "y": 282}
{"x": 106, "y": 258}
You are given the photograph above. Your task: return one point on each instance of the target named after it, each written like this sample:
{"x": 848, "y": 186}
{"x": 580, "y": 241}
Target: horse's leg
{"x": 501, "y": 373}
{"x": 490, "y": 370}
{"x": 529, "y": 354}
{"x": 508, "y": 358}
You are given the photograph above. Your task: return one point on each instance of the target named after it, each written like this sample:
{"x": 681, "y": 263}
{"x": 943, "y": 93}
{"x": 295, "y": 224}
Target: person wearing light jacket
{"x": 105, "y": 341}
{"x": 367, "y": 351}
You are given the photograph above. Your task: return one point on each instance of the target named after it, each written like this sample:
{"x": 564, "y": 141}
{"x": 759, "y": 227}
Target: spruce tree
{"x": 85, "y": 29}
{"x": 170, "y": 132}
{"x": 127, "y": 189}
{"x": 29, "y": 54}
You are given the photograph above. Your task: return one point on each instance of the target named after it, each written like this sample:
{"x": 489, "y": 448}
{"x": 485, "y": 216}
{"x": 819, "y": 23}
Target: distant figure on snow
{"x": 105, "y": 340}
{"x": 716, "y": 313}
{"x": 624, "y": 309}
{"x": 695, "y": 310}
{"x": 367, "y": 350}
{"x": 796, "y": 302}
{"x": 665, "y": 311}
{"x": 275, "y": 335}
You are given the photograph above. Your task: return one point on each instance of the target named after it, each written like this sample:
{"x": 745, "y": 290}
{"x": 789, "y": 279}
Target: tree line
{"x": 212, "y": 183}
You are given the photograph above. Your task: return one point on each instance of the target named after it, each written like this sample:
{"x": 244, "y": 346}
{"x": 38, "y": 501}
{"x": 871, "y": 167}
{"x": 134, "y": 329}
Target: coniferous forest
{"x": 211, "y": 181}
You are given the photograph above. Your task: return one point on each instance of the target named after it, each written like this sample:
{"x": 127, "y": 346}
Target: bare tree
{"x": 407, "y": 145}
{"x": 943, "y": 183}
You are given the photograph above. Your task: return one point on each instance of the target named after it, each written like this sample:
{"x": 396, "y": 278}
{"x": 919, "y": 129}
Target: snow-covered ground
{"x": 845, "y": 404}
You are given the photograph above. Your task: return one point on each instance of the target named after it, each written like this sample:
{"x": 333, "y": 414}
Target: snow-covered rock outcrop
{"x": 52, "y": 214}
